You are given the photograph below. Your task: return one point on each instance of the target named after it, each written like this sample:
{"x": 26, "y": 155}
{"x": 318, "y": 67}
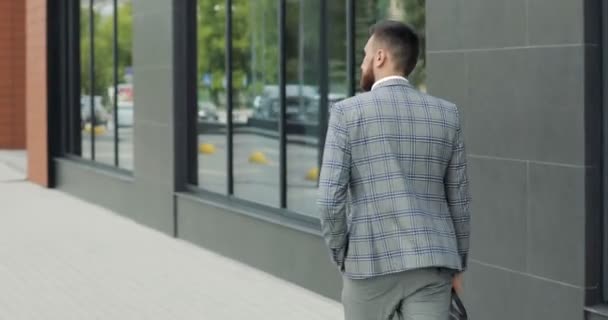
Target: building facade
{"x": 204, "y": 120}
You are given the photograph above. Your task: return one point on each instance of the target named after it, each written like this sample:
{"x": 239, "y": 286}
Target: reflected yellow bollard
{"x": 206, "y": 148}
{"x": 313, "y": 174}
{"x": 99, "y": 130}
{"x": 258, "y": 157}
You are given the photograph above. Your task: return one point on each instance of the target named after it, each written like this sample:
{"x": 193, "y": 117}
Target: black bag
{"x": 457, "y": 310}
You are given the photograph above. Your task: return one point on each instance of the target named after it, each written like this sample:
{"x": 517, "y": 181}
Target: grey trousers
{"x": 422, "y": 294}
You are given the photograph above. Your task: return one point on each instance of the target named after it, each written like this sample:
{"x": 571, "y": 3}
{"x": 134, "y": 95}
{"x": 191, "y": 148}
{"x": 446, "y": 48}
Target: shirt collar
{"x": 387, "y": 79}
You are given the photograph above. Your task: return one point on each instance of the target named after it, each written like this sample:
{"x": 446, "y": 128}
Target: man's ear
{"x": 380, "y": 58}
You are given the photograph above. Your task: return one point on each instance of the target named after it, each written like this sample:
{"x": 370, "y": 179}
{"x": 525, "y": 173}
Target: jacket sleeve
{"x": 333, "y": 186}
{"x": 458, "y": 195}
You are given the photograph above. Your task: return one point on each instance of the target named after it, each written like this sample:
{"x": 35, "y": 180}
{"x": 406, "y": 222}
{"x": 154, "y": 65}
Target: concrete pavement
{"x": 62, "y": 258}
{"x": 16, "y": 161}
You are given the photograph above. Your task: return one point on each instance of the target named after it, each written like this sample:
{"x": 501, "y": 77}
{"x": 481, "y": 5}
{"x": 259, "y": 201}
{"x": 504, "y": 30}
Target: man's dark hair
{"x": 401, "y": 40}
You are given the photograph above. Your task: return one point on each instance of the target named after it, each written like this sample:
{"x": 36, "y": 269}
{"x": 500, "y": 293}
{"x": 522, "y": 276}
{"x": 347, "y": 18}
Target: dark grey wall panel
{"x": 478, "y": 24}
{"x": 475, "y": 24}
{"x": 495, "y": 119}
{"x": 495, "y": 293}
{"x": 552, "y": 300}
{"x": 556, "y": 86}
{"x": 150, "y": 31}
{"x": 297, "y": 256}
{"x": 110, "y": 190}
{"x": 528, "y": 104}
{"x": 493, "y": 23}
{"x": 154, "y": 205}
{"x": 495, "y": 219}
{"x": 556, "y": 231}
{"x": 144, "y": 202}
{"x": 145, "y": 7}
{"x": 553, "y": 22}
{"x": 448, "y": 75}
{"x": 153, "y": 153}
{"x": 153, "y": 104}
{"x": 492, "y": 293}
{"x": 159, "y": 107}
{"x": 443, "y": 25}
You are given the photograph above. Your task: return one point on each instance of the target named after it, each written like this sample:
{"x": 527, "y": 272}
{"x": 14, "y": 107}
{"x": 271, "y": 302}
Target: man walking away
{"x": 402, "y": 238}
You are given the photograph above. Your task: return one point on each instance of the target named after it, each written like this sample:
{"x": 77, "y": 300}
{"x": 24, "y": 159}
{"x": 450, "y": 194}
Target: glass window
{"x": 103, "y": 35}
{"x": 338, "y": 78}
{"x": 124, "y": 86}
{"x": 105, "y": 65}
{"x": 211, "y": 96}
{"x": 255, "y": 81}
{"x": 85, "y": 78}
{"x": 302, "y": 104}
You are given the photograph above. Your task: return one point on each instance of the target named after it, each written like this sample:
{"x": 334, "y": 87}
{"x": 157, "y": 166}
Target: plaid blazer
{"x": 393, "y": 189}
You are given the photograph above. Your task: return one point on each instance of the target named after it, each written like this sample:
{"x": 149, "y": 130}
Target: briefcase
{"x": 457, "y": 309}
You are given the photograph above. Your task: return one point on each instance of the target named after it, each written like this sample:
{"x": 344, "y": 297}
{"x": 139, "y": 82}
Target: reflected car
{"x": 299, "y": 101}
{"x": 101, "y": 115}
{"x": 207, "y": 111}
{"x": 302, "y": 103}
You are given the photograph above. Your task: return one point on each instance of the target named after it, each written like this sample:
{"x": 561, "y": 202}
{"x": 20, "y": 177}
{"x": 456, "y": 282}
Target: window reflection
{"x": 85, "y": 83}
{"x": 99, "y": 118}
{"x": 125, "y": 102}
{"x": 302, "y": 104}
{"x": 211, "y": 103}
{"x": 103, "y": 35}
{"x": 256, "y": 100}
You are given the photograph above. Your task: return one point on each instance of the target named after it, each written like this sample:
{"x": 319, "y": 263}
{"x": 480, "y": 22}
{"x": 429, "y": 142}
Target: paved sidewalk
{"x": 62, "y": 258}
{"x": 15, "y": 160}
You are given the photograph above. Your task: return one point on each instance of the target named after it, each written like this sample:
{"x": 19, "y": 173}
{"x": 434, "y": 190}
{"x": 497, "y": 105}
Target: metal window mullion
{"x": 229, "y": 100}
{"x": 115, "y": 70}
{"x": 282, "y": 100}
{"x": 188, "y": 41}
{"x": 350, "y": 46}
{"x": 61, "y": 74}
{"x": 92, "y": 76}
{"x": 64, "y": 120}
{"x": 604, "y": 83}
{"x": 74, "y": 80}
{"x": 323, "y": 80}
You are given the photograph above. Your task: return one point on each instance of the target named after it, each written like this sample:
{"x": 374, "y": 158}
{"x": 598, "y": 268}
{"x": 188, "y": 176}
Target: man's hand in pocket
{"x": 457, "y": 283}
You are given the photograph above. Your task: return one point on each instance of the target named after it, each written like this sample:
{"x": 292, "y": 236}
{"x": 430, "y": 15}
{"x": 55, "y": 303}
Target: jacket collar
{"x": 391, "y": 81}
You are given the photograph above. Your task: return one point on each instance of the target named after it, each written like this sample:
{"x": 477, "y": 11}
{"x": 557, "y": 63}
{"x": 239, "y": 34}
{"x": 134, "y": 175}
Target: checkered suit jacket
{"x": 393, "y": 190}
